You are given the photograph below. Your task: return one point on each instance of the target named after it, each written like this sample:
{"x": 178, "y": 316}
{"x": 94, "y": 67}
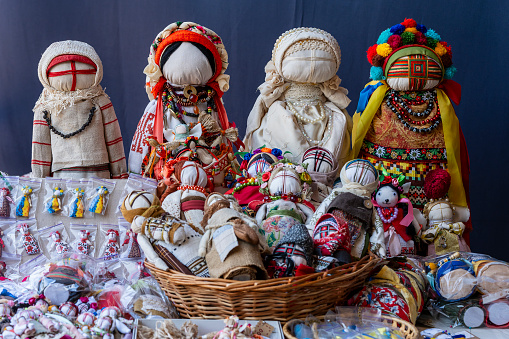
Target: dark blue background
{"x": 122, "y": 31}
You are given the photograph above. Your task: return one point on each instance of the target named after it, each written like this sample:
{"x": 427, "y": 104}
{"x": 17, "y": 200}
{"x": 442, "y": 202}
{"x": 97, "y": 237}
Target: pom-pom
{"x": 384, "y": 36}
{"x": 421, "y": 28}
{"x": 384, "y": 49}
{"x": 448, "y": 48}
{"x": 376, "y": 73}
{"x": 409, "y": 23}
{"x": 411, "y": 30}
{"x": 276, "y": 152}
{"x": 432, "y": 34}
{"x": 378, "y": 60}
{"x": 431, "y": 43}
{"x": 437, "y": 183}
{"x": 394, "y": 41}
{"x": 446, "y": 60}
{"x": 397, "y": 29}
{"x": 420, "y": 38}
{"x": 84, "y": 299}
{"x": 371, "y": 52}
{"x": 407, "y": 38}
{"x": 449, "y": 72}
{"x": 439, "y": 49}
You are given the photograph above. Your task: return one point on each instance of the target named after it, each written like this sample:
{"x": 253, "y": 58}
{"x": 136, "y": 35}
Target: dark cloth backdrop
{"x": 122, "y": 31}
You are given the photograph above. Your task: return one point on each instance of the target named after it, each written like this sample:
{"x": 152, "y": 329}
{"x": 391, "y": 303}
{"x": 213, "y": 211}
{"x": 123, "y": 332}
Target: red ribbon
{"x": 452, "y": 89}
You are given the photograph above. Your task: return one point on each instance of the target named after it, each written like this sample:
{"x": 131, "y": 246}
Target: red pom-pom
{"x": 394, "y": 41}
{"x": 371, "y": 52}
{"x": 437, "y": 183}
{"x": 303, "y": 270}
{"x": 31, "y": 301}
{"x": 409, "y": 23}
{"x": 420, "y": 39}
{"x": 84, "y": 299}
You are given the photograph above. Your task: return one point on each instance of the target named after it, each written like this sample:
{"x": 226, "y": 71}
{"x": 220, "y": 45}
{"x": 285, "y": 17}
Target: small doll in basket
{"x": 187, "y": 188}
{"x": 351, "y": 203}
{"x": 444, "y": 220}
{"x": 231, "y": 245}
{"x": 332, "y": 242}
{"x": 286, "y": 189}
{"x": 400, "y": 227}
{"x": 323, "y": 169}
{"x": 59, "y": 245}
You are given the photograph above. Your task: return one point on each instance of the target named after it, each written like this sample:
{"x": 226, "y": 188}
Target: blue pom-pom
{"x": 376, "y": 73}
{"x": 421, "y": 28}
{"x": 397, "y": 29}
{"x": 449, "y": 72}
{"x": 384, "y": 37}
{"x": 432, "y": 34}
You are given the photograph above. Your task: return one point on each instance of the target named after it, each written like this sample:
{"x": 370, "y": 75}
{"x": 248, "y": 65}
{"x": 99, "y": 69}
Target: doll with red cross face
{"x": 75, "y": 132}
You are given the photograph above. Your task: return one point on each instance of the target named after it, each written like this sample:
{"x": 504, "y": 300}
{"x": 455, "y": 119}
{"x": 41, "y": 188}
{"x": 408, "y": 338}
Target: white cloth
{"x": 187, "y": 65}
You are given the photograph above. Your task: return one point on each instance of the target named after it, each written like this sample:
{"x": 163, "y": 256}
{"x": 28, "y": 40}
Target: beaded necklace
{"x": 323, "y": 112}
{"x": 174, "y": 102}
{"x": 400, "y": 106}
{"x": 192, "y": 187}
{"x": 68, "y": 135}
{"x": 387, "y": 214}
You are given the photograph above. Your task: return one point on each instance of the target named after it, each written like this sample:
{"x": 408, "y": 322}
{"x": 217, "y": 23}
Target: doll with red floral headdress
{"x": 111, "y": 249}
{"x": 405, "y": 119}
{"x": 185, "y": 82}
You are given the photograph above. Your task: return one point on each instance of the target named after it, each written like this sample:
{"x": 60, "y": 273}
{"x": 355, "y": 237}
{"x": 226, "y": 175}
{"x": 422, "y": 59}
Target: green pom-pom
{"x": 407, "y": 38}
{"x": 431, "y": 43}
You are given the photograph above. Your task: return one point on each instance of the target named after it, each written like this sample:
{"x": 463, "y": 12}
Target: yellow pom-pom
{"x": 432, "y": 266}
{"x": 440, "y": 50}
{"x": 383, "y": 49}
{"x": 411, "y": 30}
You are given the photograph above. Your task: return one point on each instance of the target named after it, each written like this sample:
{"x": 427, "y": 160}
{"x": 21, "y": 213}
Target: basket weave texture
{"x": 280, "y": 299}
{"x": 406, "y": 328}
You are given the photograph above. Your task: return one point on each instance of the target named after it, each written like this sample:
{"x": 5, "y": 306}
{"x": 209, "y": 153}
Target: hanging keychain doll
{"x": 98, "y": 200}
{"x": 58, "y": 244}
{"x": 28, "y": 241}
{"x": 84, "y": 244}
{"x": 77, "y": 206}
{"x": 133, "y": 248}
{"x": 112, "y": 249}
{"x": 23, "y": 207}
{"x": 5, "y": 201}
{"x": 55, "y": 203}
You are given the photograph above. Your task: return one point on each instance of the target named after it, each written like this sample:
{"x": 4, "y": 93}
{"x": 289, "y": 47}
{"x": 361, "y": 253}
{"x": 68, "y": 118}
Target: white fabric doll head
{"x": 193, "y": 174}
{"x": 321, "y": 165}
{"x": 185, "y": 63}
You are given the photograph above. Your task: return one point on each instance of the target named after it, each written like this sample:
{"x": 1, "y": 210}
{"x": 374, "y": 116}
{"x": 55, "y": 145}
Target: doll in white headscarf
{"x": 301, "y": 92}
{"x": 76, "y": 132}
{"x": 352, "y": 204}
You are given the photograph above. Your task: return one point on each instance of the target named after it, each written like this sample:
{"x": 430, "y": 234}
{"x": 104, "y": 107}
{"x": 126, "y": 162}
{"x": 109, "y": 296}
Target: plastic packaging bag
{"x": 9, "y": 266}
{"x": 108, "y": 273}
{"x": 8, "y": 197}
{"x": 130, "y": 248}
{"x": 54, "y": 193}
{"x": 75, "y": 202}
{"x": 82, "y": 238}
{"x": 54, "y": 240}
{"x": 110, "y": 247}
{"x": 7, "y": 237}
{"x": 99, "y": 195}
{"x": 27, "y": 194}
{"x": 469, "y": 313}
{"x": 26, "y": 237}
{"x": 33, "y": 270}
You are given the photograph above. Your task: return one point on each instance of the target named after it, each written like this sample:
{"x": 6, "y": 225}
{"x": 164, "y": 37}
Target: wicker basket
{"x": 280, "y": 299}
{"x": 406, "y": 328}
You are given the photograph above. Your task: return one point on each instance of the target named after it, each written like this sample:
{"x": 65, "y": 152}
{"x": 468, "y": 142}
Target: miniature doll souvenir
{"x": 59, "y": 245}
{"x": 185, "y": 79}
{"x": 112, "y": 249}
{"x": 131, "y": 241}
{"x": 23, "y": 207}
{"x": 28, "y": 242}
{"x": 351, "y": 203}
{"x": 5, "y": 202}
{"x": 400, "y": 227}
{"x": 323, "y": 169}
{"x": 405, "y": 118}
{"x": 231, "y": 245}
{"x": 84, "y": 245}
{"x": 98, "y": 200}
{"x": 332, "y": 241}
{"x": 445, "y": 221}
{"x": 301, "y": 92}
{"x": 76, "y": 132}
{"x": 286, "y": 188}
{"x": 77, "y": 205}
{"x": 55, "y": 203}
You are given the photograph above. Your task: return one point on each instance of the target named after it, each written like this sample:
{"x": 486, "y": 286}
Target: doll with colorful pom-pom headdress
{"x": 405, "y": 120}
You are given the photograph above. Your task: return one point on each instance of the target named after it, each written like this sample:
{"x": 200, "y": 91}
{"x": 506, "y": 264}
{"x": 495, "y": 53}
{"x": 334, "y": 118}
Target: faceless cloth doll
{"x": 84, "y": 245}
{"x": 185, "y": 77}
{"x": 27, "y": 240}
{"x": 286, "y": 187}
{"x": 405, "y": 118}
{"x": 59, "y": 245}
{"x": 332, "y": 242}
{"x": 76, "y": 132}
{"x": 301, "y": 92}
{"x": 131, "y": 241}
{"x": 400, "y": 227}
{"x": 323, "y": 169}
{"x": 231, "y": 245}
{"x": 112, "y": 249}
{"x": 352, "y": 204}
{"x": 445, "y": 221}
{"x": 5, "y": 202}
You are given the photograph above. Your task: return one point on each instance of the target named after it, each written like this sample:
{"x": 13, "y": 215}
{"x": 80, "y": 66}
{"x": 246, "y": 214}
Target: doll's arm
{"x": 41, "y": 147}
{"x": 420, "y": 219}
{"x": 461, "y": 214}
{"x": 152, "y": 256}
{"x": 377, "y": 238}
{"x": 113, "y": 139}
{"x": 308, "y": 212}
{"x": 260, "y": 214}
